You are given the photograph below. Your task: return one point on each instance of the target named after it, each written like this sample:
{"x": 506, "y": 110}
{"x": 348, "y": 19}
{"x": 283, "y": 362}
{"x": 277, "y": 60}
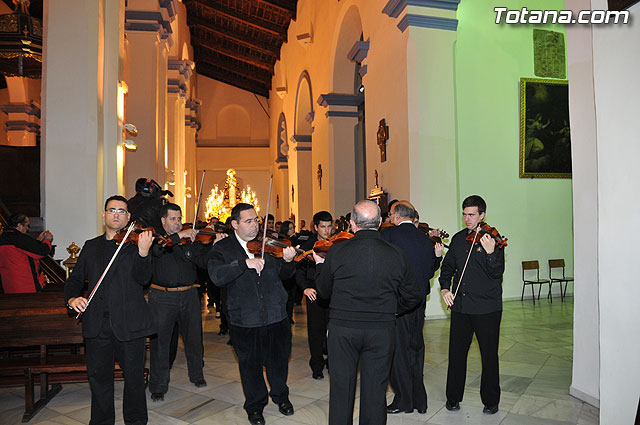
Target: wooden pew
{"x": 40, "y": 326}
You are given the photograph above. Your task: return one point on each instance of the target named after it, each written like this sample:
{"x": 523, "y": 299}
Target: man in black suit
{"x": 477, "y": 308}
{"x": 256, "y": 304}
{"x": 317, "y": 308}
{"x": 118, "y": 320}
{"x": 424, "y": 257}
{"x": 368, "y": 281}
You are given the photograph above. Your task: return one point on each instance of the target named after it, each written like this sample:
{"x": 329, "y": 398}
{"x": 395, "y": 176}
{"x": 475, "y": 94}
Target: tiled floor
{"x": 535, "y": 365}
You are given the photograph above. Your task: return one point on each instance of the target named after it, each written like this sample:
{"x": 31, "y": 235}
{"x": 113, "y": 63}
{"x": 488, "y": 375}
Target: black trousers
{"x": 487, "y": 330}
{"x": 266, "y": 346}
{"x": 372, "y": 349}
{"x": 406, "y": 377}
{"x": 317, "y": 319}
{"x": 169, "y": 308}
{"x": 102, "y": 351}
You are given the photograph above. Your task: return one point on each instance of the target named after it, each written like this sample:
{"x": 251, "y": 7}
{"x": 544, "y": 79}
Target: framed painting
{"x": 545, "y": 138}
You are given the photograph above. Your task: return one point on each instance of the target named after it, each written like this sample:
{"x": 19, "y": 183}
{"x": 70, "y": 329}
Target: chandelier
{"x": 20, "y": 43}
{"x": 221, "y": 202}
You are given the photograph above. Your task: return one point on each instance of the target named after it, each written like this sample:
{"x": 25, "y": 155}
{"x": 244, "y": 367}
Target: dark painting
{"x": 545, "y": 137}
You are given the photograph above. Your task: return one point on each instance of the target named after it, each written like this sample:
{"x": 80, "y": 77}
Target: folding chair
{"x": 530, "y": 266}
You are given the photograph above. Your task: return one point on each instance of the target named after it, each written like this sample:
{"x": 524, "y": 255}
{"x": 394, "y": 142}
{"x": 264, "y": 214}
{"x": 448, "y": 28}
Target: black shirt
{"x": 177, "y": 265}
{"x": 368, "y": 280}
{"x": 481, "y": 288}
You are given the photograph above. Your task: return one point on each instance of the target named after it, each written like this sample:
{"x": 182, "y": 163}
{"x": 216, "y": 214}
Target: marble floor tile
{"x": 535, "y": 363}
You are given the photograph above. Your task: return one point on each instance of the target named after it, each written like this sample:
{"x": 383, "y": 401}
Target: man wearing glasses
{"x": 20, "y": 255}
{"x": 256, "y": 308}
{"x": 117, "y": 322}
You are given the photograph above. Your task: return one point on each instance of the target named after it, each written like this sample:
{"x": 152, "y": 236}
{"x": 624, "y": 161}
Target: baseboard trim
{"x": 584, "y": 396}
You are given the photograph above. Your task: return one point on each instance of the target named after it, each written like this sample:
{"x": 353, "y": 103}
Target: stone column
{"x": 431, "y": 108}
{"x": 80, "y": 65}
{"x": 192, "y": 185}
{"x": 340, "y": 178}
{"x": 300, "y": 178}
{"x": 148, "y": 34}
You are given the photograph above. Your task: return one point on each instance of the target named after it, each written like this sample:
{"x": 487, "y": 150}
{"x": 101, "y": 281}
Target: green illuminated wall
{"x": 535, "y": 214}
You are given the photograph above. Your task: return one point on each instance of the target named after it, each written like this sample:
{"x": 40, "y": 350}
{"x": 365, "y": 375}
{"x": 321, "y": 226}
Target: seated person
{"x": 20, "y": 256}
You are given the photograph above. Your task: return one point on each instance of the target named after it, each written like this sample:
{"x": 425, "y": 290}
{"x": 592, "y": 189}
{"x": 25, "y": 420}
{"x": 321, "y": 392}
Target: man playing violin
{"x": 476, "y": 307}
{"x": 368, "y": 281}
{"x": 317, "y": 308}
{"x": 256, "y": 308}
{"x": 118, "y": 320}
{"x": 424, "y": 259}
{"x": 173, "y": 298}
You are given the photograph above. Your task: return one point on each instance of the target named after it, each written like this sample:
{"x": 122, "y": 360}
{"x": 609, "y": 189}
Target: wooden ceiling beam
{"x": 248, "y": 59}
{"x": 264, "y": 48}
{"x": 258, "y": 77}
{"x": 229, "y": 13}
{"x": 227, "y": 77}
{"x": 283, "y": 5}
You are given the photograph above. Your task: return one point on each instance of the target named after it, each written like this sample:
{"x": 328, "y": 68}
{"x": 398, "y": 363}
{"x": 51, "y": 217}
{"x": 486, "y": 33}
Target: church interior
{"x": 298, "y": 106}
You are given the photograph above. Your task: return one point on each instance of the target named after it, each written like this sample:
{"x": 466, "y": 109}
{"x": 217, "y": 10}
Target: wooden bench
{"x": 35, "y": 324}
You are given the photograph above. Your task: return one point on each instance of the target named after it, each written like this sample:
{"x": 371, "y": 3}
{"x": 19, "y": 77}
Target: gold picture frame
{"x": 545, "y": 137}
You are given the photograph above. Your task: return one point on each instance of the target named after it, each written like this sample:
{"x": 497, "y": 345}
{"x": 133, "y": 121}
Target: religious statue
{"x": 319, "y": 174}
{"x": 383, "y": 136}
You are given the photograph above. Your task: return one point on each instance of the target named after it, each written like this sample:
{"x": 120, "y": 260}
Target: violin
{"x": 274, "y": 247}
{"x": 484, "y": 229}
{"x": 321, "y": 247}
{"x": 435, "y": 239}
{"x": 135, "y": 234}
{"x": 204, "y": 237}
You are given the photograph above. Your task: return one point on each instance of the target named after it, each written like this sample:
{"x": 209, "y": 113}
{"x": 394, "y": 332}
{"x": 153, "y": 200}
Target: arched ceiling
{"x": 238, "y": 41}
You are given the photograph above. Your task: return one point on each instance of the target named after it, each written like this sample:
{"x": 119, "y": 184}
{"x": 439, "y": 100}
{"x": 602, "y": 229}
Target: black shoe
{"x": 422, "y": 411}
{"x": 200, "y": 383}
{"x": 157, "y": 396}
{"x": 490, "y": 410}
{"x": 452, "y": 405}
{"x": 256, "y": 418}
{"x": 318, "y": 375}
{"x": 393, "y": 410}
{"x": 286, "y": 408}
{"x": 222, "y": 332}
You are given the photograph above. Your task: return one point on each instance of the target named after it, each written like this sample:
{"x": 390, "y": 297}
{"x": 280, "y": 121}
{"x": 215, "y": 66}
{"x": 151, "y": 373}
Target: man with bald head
{"x": 408, "y": 361}
{"x": 368, "y": 281}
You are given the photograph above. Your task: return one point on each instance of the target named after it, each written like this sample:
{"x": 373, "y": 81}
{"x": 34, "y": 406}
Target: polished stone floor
{"x": 535, "y": 366}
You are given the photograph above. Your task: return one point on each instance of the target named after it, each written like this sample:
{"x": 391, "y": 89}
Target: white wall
{"x": 614, "y": 58}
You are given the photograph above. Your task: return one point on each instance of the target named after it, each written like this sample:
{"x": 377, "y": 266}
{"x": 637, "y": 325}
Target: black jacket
{"x": 121, "y": 292}
{"x": 252, "y": 300}
{"x": 368, "y": 281}
{"x": 481, "y": 288}
{"x": 419, "y": 251}
{"x": 306, "y": 268}
{"x": 178, "y": 265}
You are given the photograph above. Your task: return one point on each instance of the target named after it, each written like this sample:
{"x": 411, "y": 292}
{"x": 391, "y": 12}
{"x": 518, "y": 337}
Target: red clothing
{"x": 19, "y": 262}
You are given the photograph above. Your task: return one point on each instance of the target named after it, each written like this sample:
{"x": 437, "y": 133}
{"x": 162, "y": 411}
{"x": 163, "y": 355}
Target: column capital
{"x": 301, "y": 142}
{"x": 434, "y": 14}
{"x": 157, "y": 20}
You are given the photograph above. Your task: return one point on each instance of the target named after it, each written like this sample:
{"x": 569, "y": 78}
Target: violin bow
{"x": 266, "y": 216}
{"x": 465, "y": 264}
{"x": 195, "y": 219}
{"x": 104, "y": 273}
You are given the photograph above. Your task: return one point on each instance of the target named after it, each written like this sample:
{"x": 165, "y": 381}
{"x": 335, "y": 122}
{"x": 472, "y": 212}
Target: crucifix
{"x": 383, "y": 136}
{"x": 319, "y": 174}
{"x": 292, "y": 192}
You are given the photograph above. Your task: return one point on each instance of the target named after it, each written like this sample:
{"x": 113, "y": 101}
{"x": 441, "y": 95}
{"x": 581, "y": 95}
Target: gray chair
{"x": 558, "y": 265}
{"x": 528, "y": 269}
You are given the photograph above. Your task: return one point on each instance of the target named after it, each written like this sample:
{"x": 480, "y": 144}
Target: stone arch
{"x": 233, "y": 124}
{"x": 304, "y": 106}
{"x": 348, "y": 31}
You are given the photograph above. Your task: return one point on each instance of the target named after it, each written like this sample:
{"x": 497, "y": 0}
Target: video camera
{"x": 149, "y": 188}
